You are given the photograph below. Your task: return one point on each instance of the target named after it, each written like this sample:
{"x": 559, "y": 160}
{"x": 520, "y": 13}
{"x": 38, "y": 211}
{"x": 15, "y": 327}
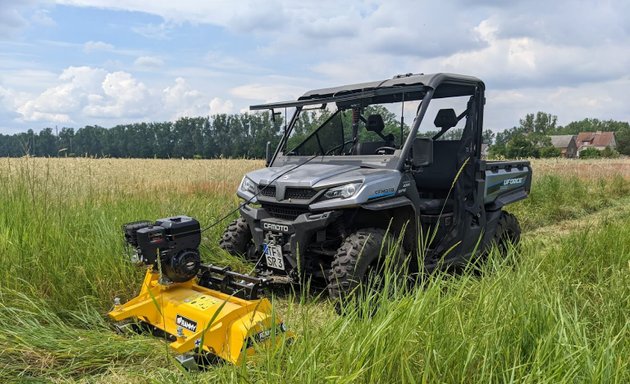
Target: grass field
{"x": 556, "y": 310}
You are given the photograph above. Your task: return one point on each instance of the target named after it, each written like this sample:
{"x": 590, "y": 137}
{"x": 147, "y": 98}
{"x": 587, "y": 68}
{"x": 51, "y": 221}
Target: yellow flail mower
{"x": 205, "y": 312}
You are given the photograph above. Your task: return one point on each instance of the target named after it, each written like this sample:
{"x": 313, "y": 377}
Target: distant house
{"x": 566, "y": 144}
{"x": 598, "y": 140}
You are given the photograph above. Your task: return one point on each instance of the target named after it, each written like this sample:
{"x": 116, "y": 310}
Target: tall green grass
{"x": 555, "y": 198}
{"x": 555, "y": 311}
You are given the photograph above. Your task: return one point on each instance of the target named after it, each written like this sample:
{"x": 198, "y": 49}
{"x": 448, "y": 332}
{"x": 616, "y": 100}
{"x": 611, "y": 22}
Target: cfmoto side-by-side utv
{"x": 350, "y": 175}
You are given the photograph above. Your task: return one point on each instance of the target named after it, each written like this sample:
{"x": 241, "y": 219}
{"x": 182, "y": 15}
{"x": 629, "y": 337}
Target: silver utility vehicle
{"x": 349, "y": 177}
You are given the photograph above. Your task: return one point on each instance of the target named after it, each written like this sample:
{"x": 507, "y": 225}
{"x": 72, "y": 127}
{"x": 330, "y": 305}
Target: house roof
{"x": 561, "y": 141}
{"x": 596, "y": 139}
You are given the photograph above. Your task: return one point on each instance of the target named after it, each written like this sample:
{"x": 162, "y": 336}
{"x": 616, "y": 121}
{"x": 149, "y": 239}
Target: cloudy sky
{"x": 78, "y": 62}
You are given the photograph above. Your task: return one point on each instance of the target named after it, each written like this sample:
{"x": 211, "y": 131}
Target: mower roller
{"x": 201, "y": 309}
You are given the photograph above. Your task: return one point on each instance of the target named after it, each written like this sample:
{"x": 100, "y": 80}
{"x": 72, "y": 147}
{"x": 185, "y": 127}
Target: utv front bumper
{"x": 293, "y": 236}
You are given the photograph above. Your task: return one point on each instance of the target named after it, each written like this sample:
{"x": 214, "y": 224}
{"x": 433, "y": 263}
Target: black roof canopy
{"x": 413, "y": 86}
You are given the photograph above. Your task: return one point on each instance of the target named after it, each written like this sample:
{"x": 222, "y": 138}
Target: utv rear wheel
{"x": 360, "y": 258}
{"x": 237, "y": 240}
{"x": 508, "y": 232}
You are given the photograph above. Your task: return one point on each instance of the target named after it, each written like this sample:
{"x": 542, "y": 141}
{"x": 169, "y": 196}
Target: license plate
{"x": 273, "y": 256}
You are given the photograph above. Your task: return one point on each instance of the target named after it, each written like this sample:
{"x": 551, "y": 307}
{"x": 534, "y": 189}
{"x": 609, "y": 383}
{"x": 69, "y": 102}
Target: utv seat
{"x": 375, "y": 124}
{"x": 436, "y": 179}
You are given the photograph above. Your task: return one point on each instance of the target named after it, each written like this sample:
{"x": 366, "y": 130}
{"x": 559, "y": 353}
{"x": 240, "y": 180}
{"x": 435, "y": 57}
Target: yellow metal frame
{"x": 219, "y": 323}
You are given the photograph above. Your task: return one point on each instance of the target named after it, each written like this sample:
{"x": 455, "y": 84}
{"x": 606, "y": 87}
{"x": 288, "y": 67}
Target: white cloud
{"x": 58, "y": 103}
{"x": 11, "y": 18}
{"x": 83, "y": 93}
{"x": 9, "y": 101}
{"x": 517, "y": 62}
{"x": 152, "y": 31}
{"x": 267, "y": 92}
{"x": 181, "y": 100}
{"x": 222, "y": 61}
{"x": 41, "y": 17}
{"x": 148, "y": 62}
{"x": 243, "y": 15}
{"x": 219, "y": 106}
{"x": 594, "y": 100}
{"x": 87, "y": 95}
{"x": 94, "y": 46}
{"x": 123, "y": 97}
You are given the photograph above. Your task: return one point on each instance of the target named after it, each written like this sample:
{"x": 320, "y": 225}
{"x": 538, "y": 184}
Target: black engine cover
{"x": 175, "y": 240}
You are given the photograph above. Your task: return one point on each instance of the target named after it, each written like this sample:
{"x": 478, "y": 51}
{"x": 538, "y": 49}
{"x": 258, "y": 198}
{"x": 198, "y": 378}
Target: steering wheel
{"x": 391, "y": 149}
{"x": 340, "y": 146}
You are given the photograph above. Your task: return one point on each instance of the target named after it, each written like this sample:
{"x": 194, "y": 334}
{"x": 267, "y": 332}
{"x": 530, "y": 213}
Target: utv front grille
{"x": 300, "y": 193}
{"x": 268, "y": 190}
{"x": 289, "y": 193}
{"x": 282, "y": 212}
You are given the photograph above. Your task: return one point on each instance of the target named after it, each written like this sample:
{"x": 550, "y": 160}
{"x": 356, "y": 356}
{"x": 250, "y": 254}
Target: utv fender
{"x": 396, "y": 202}
{"x": 507, "y": 198}
{"x": 402, "y": 215}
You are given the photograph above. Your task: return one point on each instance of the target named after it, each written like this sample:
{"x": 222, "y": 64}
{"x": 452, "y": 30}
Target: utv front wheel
{"x": 360, "y": 258}
{"x": 237, "y": 240}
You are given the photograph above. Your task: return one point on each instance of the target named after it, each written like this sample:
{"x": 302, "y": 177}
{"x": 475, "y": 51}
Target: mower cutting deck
{"x": 201, "y": 309}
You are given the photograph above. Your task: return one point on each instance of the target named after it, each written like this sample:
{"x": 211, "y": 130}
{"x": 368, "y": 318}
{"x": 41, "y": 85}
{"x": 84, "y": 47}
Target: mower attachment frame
{"x": 218, "y": 313}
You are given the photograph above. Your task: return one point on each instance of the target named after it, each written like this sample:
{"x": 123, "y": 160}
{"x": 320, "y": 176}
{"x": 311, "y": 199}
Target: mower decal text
{"x": 265, "y": 334}
{"x": 186, "y": 323}
{"x": 276, "y": 227}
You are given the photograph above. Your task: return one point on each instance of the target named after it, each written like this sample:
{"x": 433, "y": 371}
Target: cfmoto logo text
{"x": 276, "y": 227}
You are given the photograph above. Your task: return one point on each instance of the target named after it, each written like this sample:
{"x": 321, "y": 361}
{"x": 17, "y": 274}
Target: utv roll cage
{"x": 401, "y": 88}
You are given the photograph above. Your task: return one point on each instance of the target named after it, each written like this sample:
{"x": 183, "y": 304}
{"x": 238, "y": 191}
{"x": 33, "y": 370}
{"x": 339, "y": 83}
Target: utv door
{"x": 449, "y": 187}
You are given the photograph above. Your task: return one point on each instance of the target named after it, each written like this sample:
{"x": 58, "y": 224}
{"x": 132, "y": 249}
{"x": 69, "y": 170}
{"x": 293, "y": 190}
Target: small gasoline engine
{"x": 170, "y": 244}
{"x": 201, "y": 309}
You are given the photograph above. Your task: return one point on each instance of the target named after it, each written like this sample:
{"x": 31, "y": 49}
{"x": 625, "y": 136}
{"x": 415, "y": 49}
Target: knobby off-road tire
{"x": 508, "y": 233}
{"x": 362, "y": 253}
{"x": 237, "y": 240}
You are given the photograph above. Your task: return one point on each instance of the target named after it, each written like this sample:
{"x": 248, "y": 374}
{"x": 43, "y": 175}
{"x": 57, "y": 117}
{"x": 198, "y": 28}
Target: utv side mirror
{"x": 268, "y": 154}
{"x": 422, "y": 152}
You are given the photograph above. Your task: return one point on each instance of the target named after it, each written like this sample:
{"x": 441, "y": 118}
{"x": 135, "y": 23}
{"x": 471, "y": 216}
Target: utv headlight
{"x": 343, "y": 191}
{"x": 247, "y": 185}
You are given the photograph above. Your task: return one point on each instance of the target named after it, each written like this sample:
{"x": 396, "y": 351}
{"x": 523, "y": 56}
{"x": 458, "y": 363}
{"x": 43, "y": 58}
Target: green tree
{"x": 46, "y": 143}
{"x": 65, "y": 141}
{"x": 549, "y": 151}
{"x": 590, "y": 153}
{"x": 90, "y": 140}
{"x": 488, "y": 136}
{"x": 520, "y": 146}
{"x": 497, "y": 151}
{"x": 609, "y": 153}
{"x": 623, "y": 141}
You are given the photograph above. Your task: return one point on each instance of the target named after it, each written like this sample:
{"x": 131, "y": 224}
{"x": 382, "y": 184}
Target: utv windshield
{"x": 353, "y": 131}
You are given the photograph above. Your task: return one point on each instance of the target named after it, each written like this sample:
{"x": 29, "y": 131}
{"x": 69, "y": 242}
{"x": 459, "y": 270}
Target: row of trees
{"x": 236, "y": 135}
{"x": 239, "y": 135}
{"x": 246, "y": 135}
{"x": 531, "y": 137}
